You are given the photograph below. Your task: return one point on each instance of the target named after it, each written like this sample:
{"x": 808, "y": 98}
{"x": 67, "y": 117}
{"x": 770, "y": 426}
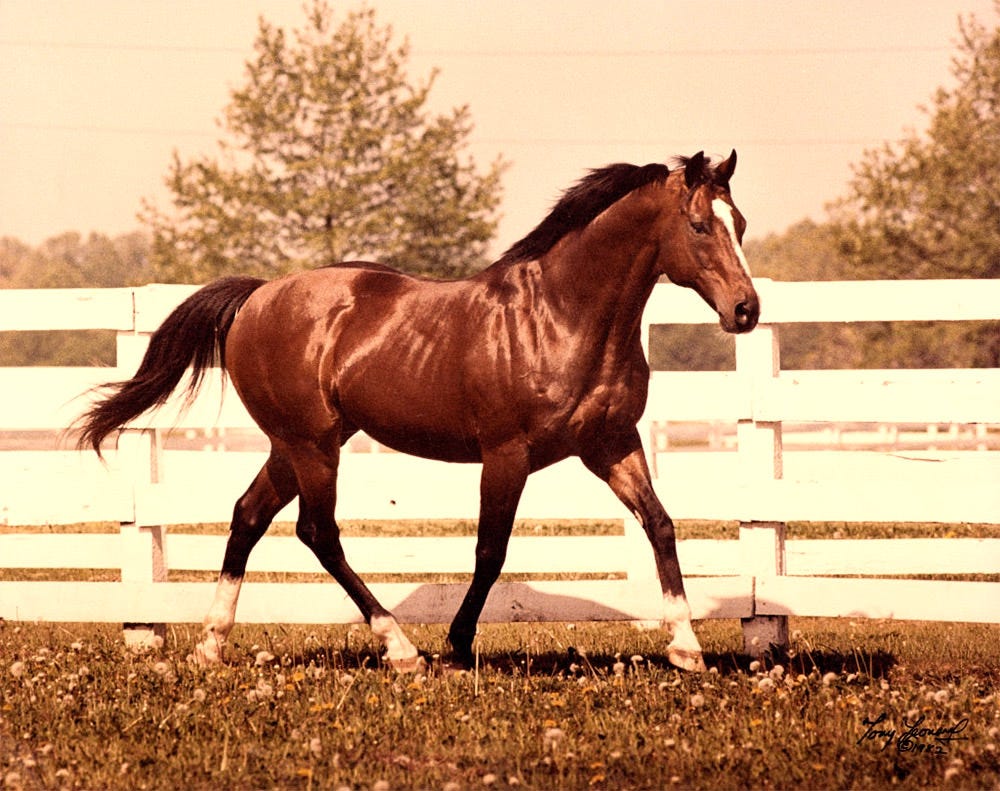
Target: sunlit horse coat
{"x": 532, "y": 360}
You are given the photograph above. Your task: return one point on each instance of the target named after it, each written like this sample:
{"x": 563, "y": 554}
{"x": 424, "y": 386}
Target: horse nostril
{"x": 744, "y": 316}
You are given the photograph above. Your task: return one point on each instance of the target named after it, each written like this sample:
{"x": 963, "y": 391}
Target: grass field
{"x": 854, "y": 705}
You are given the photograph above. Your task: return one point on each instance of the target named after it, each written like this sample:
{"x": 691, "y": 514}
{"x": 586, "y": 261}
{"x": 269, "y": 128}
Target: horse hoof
{"x": 408, "y": 664}
{"x": 205, "y": 655}
{"x": 686, "y": 660}
{"x": 453, "y": 665}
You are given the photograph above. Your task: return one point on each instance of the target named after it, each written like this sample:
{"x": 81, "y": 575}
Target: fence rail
{"x": 762, "y": 485}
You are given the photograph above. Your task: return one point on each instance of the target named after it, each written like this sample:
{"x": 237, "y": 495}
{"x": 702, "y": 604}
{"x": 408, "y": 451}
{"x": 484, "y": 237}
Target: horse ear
{"x": 694, "y": 170}
{"x": 724, "y": 170}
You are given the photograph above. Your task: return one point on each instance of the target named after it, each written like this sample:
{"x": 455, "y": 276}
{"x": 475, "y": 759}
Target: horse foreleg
{"x": 628, "y": 476}
{"x": 272, "y": 489}
{"x": 504, "y": 474}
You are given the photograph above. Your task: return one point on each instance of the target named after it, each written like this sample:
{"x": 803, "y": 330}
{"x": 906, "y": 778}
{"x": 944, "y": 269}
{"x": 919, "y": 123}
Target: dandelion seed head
{"x": 16, "y": 669}
{"x": 263, "y": 658}
{"x": 697, "y": 701}
{"x": 552, "y": 737}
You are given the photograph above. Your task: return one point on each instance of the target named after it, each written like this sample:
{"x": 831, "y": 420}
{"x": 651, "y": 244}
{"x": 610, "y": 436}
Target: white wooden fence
{"x": 760, "y": 577}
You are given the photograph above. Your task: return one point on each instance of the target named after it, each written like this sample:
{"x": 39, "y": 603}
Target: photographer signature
{"x": 913, "y": 737}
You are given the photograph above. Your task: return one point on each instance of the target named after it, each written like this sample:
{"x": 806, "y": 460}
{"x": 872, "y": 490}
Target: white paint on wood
{"x": 186, "y": 602}
{"x": 920, "y": 600}
{"x": 855, "y": 487}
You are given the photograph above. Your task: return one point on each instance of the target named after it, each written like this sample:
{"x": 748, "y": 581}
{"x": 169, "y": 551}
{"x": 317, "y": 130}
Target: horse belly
{"x": 415, "y": 420}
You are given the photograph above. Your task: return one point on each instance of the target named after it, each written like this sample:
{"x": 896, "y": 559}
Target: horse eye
{"x": 700, "y": 226}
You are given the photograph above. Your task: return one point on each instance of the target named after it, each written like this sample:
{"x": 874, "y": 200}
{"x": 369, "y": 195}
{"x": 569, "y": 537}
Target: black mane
{"x": 581, "y": 203}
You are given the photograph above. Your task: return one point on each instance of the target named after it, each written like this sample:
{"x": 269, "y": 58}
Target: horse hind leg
{"x": 316, "y": 473}
{"x": 272, "y": 489}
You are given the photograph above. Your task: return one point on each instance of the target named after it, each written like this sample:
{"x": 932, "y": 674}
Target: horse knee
{"x": 305, "y": 531}
{"x": 324, "y": 543}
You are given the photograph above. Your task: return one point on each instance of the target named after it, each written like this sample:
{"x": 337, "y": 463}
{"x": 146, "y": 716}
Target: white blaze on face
{"x": 725, "y": 214}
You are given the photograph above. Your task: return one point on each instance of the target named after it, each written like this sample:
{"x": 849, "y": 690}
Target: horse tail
{"x": 193, "y": 335}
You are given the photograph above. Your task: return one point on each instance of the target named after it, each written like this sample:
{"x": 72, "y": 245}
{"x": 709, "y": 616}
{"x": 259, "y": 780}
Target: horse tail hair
{"x": 193, "y": 335}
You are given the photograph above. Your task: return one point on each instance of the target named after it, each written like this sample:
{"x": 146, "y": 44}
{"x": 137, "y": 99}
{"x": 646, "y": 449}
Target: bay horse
{"x": 532, "y": 360}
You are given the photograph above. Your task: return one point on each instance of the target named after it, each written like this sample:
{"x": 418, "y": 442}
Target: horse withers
{"x": 530, "y": 361}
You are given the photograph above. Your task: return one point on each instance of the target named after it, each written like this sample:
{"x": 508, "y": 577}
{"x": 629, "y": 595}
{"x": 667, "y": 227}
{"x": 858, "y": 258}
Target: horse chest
{"x": 608, "y": 406}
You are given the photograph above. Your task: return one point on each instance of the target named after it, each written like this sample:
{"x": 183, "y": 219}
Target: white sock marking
{"x": 219, "y": 620}
{"x": 397, "y": 646}
{"x": 677, "y": 618}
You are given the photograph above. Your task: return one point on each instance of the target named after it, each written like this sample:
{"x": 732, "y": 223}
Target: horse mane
{"x": 581, "y": 204}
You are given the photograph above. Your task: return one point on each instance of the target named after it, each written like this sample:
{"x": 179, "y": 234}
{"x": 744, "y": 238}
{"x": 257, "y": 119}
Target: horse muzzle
{"x": 742, "y": 316}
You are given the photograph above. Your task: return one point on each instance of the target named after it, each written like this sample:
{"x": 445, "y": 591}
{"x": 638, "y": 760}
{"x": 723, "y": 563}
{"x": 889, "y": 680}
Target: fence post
{"x": 760, "y": 452}
{"x": 139, "y": 453}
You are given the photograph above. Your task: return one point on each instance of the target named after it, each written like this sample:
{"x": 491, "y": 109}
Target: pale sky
{"x": 96, "y": 94}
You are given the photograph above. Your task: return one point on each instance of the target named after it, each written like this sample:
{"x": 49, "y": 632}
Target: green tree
{"x": 927, "y": 206}
{"x": 331, "y": 155}
{"x": 805, "y": 251}
{"x": 69, "y": 261}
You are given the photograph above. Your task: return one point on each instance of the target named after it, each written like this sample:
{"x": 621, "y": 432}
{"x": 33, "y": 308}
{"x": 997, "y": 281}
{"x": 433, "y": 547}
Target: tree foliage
{"x": 70, "y": 261}
{"x": 927, "y": 206}
{"x": 331, "y": 155}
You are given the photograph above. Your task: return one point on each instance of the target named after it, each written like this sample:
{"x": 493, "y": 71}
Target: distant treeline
{"x": 807, "y": 251}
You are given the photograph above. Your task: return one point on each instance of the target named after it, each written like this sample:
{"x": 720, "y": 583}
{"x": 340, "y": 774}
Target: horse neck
{"x": 605, "y": 273}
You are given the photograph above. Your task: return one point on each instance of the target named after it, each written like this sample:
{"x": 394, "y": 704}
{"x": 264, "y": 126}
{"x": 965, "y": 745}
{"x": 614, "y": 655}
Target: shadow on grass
{"x": 570, "y": 662}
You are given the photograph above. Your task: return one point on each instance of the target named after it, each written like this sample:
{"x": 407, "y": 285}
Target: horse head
{"x": 701, "y": 248}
